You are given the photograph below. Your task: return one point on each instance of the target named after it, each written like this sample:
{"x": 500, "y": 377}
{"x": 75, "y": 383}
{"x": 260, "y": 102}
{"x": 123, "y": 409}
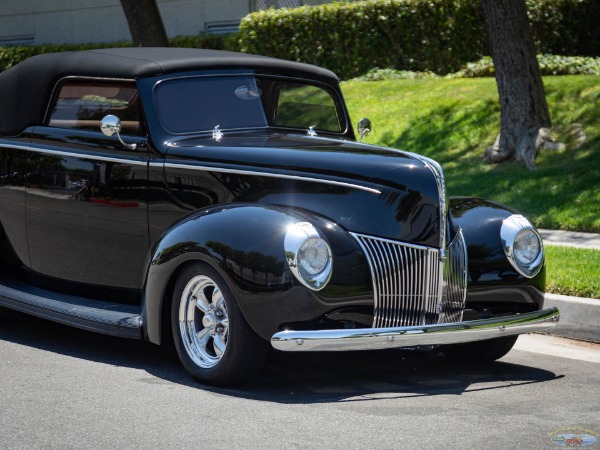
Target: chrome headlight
{"x": 522, "y": 245}
{"x": 308, "y": 255}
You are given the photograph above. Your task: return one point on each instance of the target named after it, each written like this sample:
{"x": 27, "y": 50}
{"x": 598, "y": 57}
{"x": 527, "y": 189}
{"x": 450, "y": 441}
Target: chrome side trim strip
{"x": 192, "y": 167}
{"x": 4, "y": 144}
{"x": 398, "y": 337}
{"x": 266, "y": 174}
{"x": 75, "y": 155}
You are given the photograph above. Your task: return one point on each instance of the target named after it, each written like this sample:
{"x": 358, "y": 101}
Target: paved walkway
{"x": 579, "y": 316}
{"x": 571, "y": 238}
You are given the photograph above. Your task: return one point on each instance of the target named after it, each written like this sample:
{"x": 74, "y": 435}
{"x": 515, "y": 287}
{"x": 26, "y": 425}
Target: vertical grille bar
{"x": 413, "y": 285}
{"x": 455, "y": 277}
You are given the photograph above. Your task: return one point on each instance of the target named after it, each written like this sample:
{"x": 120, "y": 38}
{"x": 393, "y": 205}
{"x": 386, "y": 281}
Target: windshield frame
{"x": 331, "y": 90}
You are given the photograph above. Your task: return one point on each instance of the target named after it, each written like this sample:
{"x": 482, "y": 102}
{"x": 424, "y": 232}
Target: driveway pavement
{"x": 64, "y": 388}
{"x": 580, "y": 317}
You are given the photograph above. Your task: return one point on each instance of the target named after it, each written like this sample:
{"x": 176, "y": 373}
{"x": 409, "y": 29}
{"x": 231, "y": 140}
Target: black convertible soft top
{"x": 25, "y": 89}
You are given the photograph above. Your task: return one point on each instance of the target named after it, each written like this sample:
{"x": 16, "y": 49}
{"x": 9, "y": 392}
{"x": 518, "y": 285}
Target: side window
{"x": 302, "y": 106}
{"x": 82, "y": 104}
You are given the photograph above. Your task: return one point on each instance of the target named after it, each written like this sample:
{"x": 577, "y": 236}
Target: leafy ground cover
{"x": 454, "y": 120}
{"x": 573, "y": 271}
{"x": 549, "y": 65}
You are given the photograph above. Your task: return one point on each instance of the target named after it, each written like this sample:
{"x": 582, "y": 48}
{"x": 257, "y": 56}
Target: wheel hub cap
{"x": 203, "y": 321}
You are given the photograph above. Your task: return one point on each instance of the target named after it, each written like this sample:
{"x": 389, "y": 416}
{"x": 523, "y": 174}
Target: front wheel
{"x": 213, "y": 340}
{"x": 480, "y": 351}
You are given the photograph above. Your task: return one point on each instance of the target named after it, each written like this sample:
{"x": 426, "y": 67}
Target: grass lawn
{"x": 454, "y": 120}
{"x": 573, "y": 271}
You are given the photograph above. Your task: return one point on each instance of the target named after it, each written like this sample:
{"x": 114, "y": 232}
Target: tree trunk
{"x": 524, "y": 117}
{"x": 145, "y": 23}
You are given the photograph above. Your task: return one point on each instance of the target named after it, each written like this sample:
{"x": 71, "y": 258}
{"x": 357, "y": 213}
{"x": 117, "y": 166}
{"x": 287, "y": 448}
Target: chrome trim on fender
{"x": 266, "y": 174}
{"x": 191, "y": 167}
{"x": 397, "y": 337}
{"x": 130, "y": 161}
{"x": 5, "y": 144}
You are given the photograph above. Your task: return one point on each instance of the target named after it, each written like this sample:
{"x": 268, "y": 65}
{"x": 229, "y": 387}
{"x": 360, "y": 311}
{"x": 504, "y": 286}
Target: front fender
{"x": 245, "y": 244}
{"x": 242, "y": 242}
{"x": 491, "y": 277}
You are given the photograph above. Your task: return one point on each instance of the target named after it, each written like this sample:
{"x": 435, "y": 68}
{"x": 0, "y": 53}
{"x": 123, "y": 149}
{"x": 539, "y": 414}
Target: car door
{"x": 13, "y": 235}
{"x": 86, "y": 195}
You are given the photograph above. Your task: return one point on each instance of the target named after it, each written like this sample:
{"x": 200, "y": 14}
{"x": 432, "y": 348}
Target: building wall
{"x": 62, "y": 21}
{"x": 82, "y": 21}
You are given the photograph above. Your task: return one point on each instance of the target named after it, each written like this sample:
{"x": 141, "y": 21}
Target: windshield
{"x": 196, "y": 104}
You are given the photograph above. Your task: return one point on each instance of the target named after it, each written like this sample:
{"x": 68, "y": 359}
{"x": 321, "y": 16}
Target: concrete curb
{"x": 579, "y": 317}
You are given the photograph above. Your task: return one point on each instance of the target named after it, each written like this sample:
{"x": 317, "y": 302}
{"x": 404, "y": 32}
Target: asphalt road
{"x": 64, "y": 388}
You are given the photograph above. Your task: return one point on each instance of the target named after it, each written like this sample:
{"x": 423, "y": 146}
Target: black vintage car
{"x": 221, "y": 201}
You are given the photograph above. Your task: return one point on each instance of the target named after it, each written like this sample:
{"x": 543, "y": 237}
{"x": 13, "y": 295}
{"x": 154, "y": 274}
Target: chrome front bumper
{"x": 397, "y": 337}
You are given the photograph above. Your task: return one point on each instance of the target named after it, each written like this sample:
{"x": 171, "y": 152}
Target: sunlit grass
{"x": 573, "y": 271}
{"x": 454, "y": 120}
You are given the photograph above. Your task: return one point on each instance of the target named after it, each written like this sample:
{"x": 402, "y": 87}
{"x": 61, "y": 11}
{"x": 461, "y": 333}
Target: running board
{"x": 103, "y": 317}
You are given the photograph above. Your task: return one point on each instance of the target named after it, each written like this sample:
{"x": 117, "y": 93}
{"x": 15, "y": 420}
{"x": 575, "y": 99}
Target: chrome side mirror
{"x": 364, "y": 127}
{"x": 110, "y": 126}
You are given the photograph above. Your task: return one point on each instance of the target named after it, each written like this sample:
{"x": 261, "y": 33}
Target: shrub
{"x": 9, "y": 56}
{"x": 568, "y": 65}
{"x": 393, "y": 74}
{"x": 411, "y": 36}
{"x": 565, "y": 27}
{"x": 549, "y": 65}
{"x": 414, "y": 35}
{"x": 352, "y": 38}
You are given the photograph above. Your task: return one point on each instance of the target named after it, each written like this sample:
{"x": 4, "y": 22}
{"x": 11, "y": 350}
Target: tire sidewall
{"x": 225, "y": 369}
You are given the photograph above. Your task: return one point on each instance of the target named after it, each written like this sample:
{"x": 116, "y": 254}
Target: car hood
{"x": 367, "y": 189}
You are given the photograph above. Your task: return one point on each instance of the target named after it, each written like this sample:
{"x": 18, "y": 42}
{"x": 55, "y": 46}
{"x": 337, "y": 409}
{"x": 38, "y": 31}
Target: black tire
{"x": 480, "y": 351}
{"x": 214, "y": 342}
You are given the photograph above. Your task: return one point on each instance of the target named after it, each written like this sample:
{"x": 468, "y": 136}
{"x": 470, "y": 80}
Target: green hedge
{"x": 351, "y": 38}
{"x": 9, "y": 56}
{"x": 414, "y": 35}
{"x": 439, "y": 36}
{"x": 565, "y": 27}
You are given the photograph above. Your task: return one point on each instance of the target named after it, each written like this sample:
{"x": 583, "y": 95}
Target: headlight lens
{"x": 313, "y": 256}
{"x": 522, "y": 245}
{"x": 526, "y": 247}
{"x": 308, "y": 255}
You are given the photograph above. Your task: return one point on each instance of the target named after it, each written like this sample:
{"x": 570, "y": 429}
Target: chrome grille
{"x": 414, "y": 285}
{"x": 455, "y": 281}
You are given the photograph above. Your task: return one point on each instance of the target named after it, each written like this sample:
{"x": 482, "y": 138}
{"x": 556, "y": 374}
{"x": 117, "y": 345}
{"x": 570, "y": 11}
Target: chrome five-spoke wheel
{"x": 203, "y": 321}
{"x": 213, "y": 340}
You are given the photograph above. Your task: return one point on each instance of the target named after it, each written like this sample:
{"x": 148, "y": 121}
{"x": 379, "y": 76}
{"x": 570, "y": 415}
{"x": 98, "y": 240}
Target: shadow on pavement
{"x": 287, "y": 378}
